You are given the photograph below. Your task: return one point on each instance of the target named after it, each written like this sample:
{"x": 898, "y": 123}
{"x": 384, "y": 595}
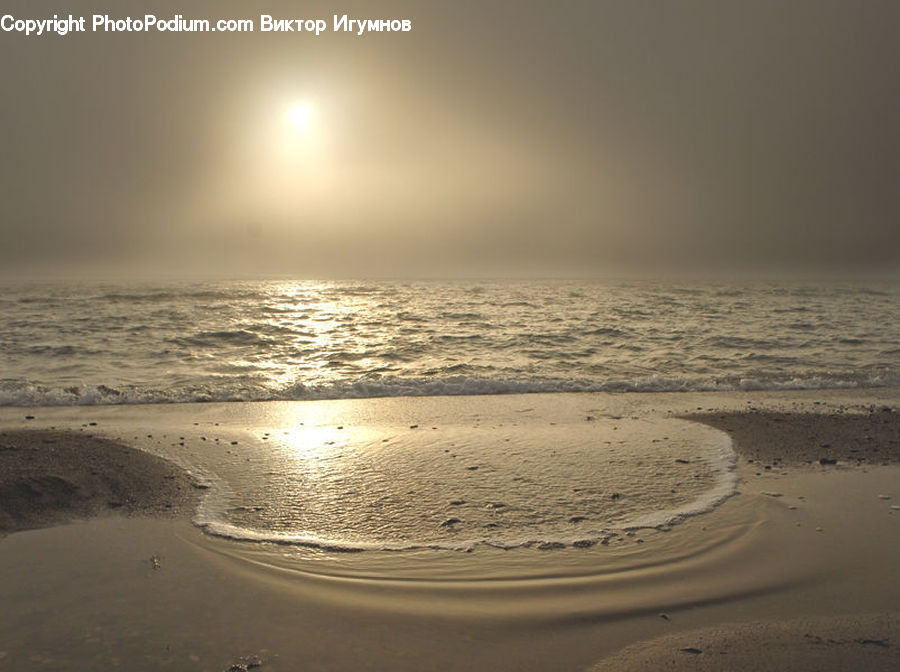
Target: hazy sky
{"x": 494, "y": 135}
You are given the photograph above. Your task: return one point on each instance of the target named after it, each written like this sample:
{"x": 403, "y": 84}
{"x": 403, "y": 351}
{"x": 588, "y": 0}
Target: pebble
{"x": 884, "y": 496}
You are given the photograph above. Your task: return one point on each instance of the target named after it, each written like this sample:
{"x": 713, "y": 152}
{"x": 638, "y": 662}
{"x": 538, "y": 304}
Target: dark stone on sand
{"x": 577, "y": 519}
{"x": 827, "y": 460}
{"x": 413, "y": 426}
{"x": 457, "y": 502}
{"x": 691, "y": 649}
{"x": 682, "y": 461}
{"x": 29, "y": 417}
{"x": 473, "y": 468}
{"x": 551, "y": 546}
{"x": 450, "y": 521}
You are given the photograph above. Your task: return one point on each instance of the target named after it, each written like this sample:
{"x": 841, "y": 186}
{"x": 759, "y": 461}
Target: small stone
{"x": 29, "y": 417}
{"x": 551, "y": 546}
{"x": 450, "y": 521}
{"x": 884, "y": 496}
{"x": 691, "y": 649}
{"x": 413, "y": 426}
{"x": 665, "y": 617}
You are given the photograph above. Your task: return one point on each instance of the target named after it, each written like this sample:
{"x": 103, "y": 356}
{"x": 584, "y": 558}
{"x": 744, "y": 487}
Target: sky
{"x": 495, "y": 136}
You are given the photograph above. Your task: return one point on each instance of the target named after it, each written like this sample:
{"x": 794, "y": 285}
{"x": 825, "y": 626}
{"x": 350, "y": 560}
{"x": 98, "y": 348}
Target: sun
{"x": 300, "y": 115}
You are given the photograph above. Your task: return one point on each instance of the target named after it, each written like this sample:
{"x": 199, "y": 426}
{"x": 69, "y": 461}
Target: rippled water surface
{"x": 105, "y": 344}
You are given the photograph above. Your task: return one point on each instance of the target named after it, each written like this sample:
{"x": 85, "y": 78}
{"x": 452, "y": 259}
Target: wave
{"x": 212, "y": 518}
{"x": 30, "y": 394}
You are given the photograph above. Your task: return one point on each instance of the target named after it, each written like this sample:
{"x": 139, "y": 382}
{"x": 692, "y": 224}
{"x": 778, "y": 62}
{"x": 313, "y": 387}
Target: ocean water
{"x": 433, "y": 416}
{"x": 135, "y": 343}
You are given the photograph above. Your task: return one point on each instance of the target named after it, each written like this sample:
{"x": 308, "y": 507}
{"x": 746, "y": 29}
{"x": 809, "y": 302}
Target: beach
{"x": 495, "y": 336}
{"x": 794, "y": 568}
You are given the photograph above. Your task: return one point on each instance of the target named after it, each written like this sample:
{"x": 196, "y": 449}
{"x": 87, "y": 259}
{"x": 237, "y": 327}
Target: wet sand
{"x": 798, "y": 570}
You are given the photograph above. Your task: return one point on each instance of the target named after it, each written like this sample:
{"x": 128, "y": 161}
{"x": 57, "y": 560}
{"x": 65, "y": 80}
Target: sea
{"x": 97, "y": 344}
{"x": 434, "y": 416}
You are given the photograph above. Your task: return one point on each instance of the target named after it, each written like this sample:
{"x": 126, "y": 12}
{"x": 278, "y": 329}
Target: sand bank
{"x": 852, "y": 642}
{"x": 805, "y": 549}
{"x": 778, "y": 438}
{"x": 53, "y": 477}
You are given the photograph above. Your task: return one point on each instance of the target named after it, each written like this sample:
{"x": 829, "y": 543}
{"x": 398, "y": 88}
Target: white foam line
{"x": 725, "y": 486}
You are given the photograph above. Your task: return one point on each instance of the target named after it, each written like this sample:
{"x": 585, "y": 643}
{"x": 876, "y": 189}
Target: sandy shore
{"x": 776, "y": 439}
{"x": 798, "y": 570}
{"x": 850, "y": 642}
{"x": 53, "y": 477}
{"x": 782, "y": 453}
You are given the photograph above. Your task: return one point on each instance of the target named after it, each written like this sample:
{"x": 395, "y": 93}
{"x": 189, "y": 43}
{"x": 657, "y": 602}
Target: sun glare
{"x": 300, "y": 116}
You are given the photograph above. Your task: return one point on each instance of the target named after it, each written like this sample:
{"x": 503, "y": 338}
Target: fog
{"x": 494, "y": 137}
